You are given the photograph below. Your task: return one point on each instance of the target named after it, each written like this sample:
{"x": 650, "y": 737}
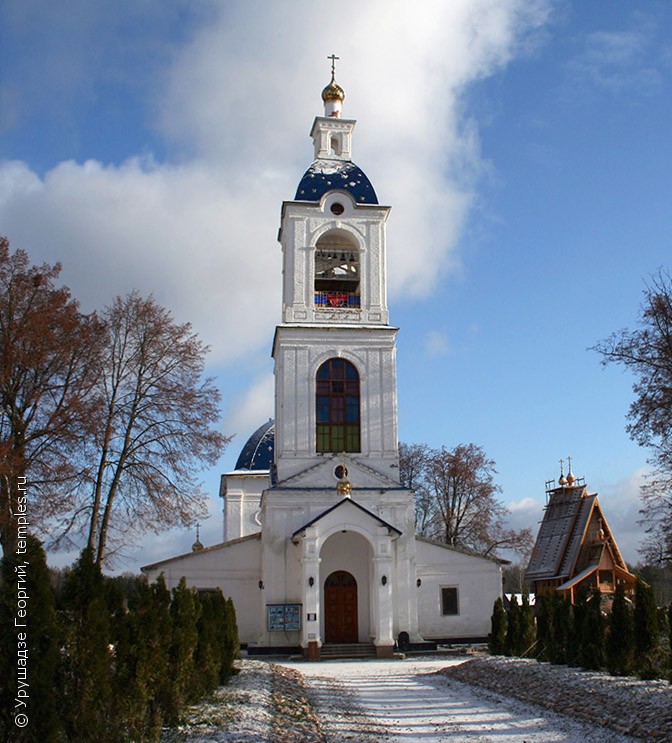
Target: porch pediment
{"x": 347, "y": 512}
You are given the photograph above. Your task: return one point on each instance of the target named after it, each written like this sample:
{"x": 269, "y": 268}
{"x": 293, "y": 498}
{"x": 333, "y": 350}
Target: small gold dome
{"x": 333, "y": 92}
{"x": 344, "y": 486}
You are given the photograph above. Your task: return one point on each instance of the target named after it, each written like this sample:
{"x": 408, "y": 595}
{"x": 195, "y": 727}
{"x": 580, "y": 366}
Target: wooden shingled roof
{"x": 564, "y": 545}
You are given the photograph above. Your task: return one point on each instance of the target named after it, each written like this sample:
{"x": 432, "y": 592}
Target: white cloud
{"x": 525, "y": 505}
{"x": 253, "y": 408}
{"x": 620, "y": 502}
{"x": 615, "y": 61}
{"x": 238, "y": 103}
{"x": 184, "y": 233}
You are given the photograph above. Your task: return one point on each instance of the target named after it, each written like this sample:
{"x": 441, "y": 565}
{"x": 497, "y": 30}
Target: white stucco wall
{"x": 235, "y": 568}
{"x": 241, "y": 491}
{"x": 478, "y": 582}
{"x": 302, "y": 225}
{"x": 298, "y": 353}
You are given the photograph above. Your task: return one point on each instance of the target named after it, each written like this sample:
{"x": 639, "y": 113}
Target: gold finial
{"x": 333, "y": 91}
{"x": 197, "y": 546}
{"x": 344, "y": 487}
{"x": 563, "y": 480}
{"x": 570, "y": 475}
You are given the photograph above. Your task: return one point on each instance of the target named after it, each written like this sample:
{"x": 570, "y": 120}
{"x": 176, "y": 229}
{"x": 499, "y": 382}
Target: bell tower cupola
{"x": 333, "y": 233}
{"x": 334, "y": 351}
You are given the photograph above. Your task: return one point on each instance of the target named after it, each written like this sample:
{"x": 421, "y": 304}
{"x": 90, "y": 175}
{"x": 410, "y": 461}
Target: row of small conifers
{"x": 102, "y": 667}
{"x": 634, "y": 638}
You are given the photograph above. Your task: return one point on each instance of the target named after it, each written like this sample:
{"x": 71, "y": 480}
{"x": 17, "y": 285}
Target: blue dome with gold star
{"x": 257, "y": 454}
{"x": 335, "y": 175}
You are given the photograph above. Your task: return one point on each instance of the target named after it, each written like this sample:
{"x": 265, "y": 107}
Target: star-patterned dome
{"x": 257, "y": 454}
{"x": 335, "y": 175}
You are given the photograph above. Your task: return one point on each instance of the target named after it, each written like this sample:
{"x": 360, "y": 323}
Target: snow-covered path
{"x": 405, "y": 701}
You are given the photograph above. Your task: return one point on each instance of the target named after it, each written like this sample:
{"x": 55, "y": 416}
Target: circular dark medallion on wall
{"x": 337, "y": 208}
{"x": 341, "y": 471}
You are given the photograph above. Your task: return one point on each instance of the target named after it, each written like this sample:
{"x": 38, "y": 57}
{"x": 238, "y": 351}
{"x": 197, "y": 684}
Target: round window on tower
{"x": 337, "y": 208}
{"x": 340, "y": 472}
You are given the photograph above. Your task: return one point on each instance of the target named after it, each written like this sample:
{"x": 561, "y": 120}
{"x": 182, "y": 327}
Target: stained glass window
{"x": 337, "y": 407}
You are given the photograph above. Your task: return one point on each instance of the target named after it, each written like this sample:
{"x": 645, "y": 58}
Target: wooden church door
{"x": 340, "y": 608}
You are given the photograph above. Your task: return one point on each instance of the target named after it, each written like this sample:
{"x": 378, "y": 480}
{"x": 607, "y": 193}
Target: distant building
{"x": 575, "y": 548}
{"x": 320, "y": 545}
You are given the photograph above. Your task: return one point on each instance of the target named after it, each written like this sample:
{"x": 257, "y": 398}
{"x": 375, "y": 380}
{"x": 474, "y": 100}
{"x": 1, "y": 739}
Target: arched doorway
{"x": 340, "y": 608}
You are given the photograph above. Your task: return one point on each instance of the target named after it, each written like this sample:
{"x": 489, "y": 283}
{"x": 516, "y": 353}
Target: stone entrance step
{"x": 348, "y": 650}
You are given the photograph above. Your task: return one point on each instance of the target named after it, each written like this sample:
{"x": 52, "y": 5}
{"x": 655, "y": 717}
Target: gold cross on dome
{"x": 333, "y": 59}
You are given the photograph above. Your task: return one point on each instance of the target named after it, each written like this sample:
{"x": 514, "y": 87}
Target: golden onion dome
{"x": 333, "y": 92}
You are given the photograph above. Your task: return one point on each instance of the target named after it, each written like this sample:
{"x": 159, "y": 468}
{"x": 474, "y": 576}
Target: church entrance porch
{"x": 340, "y": 608}
{"x": 345, "y": 568}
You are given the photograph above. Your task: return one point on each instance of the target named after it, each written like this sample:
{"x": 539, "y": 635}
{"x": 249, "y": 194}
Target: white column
{"x": 383, "y": 579}
{"x": 310, "y": 563}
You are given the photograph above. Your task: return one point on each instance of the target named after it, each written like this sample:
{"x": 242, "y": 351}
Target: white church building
{"x": 320, "y": 545}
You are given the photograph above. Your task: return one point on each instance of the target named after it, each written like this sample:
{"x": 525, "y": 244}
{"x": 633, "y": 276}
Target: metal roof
{"x": 555, "y": 533}
{"x": 257, "y": 454}
{"x": 335, "y": 175}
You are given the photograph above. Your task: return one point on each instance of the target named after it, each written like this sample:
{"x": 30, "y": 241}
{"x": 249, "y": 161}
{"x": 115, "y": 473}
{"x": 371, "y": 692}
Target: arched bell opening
{"x": 337, "y": 271}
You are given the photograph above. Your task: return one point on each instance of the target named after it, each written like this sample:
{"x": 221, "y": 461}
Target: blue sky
{"x": 523, "y": 147}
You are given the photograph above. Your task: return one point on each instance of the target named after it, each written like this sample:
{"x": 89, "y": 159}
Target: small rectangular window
{"x": 449, "y": 603}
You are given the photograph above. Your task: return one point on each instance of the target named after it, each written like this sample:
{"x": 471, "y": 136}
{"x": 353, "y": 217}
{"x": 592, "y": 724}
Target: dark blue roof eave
{"x": 335, "y": 175}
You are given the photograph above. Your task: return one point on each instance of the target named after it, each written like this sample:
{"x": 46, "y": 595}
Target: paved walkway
{"x": 405, "y": 701}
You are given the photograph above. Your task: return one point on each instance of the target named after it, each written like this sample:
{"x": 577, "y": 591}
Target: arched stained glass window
{"x": 337, "y": 407}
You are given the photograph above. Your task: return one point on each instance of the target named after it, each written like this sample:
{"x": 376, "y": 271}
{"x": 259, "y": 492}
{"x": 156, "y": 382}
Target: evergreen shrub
{"x": 498, "y": 624}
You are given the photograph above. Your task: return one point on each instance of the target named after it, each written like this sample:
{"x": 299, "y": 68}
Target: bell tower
{"x": 334, "y": 352}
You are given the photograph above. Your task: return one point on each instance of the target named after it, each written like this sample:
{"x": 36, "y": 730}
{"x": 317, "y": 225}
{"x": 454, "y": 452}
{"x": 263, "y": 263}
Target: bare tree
{"x": 156, "y": 429}
{"x": 457, "y": 498}
{"x": 48, "y": 362}
{"x": 412, "y": 464}
{"x": 647, "y": 352}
